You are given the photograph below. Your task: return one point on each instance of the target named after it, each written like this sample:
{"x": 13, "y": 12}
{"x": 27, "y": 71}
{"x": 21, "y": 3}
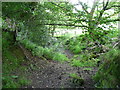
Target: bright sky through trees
{"x": 89, "y": 2}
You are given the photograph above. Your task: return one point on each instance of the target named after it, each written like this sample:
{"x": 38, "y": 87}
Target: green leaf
{"x": 14, "y": 77}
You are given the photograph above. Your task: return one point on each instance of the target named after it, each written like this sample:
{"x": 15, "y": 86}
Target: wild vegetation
{"x": 30, "y": 46}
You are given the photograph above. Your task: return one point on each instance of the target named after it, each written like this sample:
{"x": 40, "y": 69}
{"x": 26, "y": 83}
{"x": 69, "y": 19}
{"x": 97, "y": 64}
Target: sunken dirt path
{"x": 54, "y": 74}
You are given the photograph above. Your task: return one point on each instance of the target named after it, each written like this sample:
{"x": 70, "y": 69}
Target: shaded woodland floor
{"x": 55, "y": 74}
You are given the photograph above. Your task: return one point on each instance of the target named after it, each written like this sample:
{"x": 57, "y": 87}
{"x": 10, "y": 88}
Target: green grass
{"x": 83, "y": 63}
{"x": 24, "y": 81}
{"x": 79, "y": 43}
{"x": 12, "y": 58}
{"x": 108, "y": 75}
{"x": 60, "y": 57}
{"x": 75, "y": 79}
{"x": 74, "y": 75}
{"x": 10, "y": 64}
{"x": 85, "y": 59}
{"x": 48, "y": 53}
{"x": 14, "y": 81}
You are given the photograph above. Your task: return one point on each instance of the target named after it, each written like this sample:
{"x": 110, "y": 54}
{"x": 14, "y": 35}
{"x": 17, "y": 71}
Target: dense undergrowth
{"x": 108, "y": 75}
{"x": 88, "y": 54}
{"x": 13, "y": 57}
{"x": 40, "y": 51}
{"x": 34, "y": 25}
{"x": 85, "y": 42}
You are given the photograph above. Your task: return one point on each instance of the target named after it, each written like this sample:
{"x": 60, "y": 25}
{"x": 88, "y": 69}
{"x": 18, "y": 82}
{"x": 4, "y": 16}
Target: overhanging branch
{"x": 112, "y": 20}
{"x": 60, "y": 6}
{"x": 102, "y": 11}
{"x": 65, "y": 25}
{"x": 83, "y": 7}
{"x": 112, "y": 6}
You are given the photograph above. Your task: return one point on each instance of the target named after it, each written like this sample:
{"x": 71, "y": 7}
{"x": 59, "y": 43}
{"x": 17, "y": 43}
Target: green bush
{"x": 29, "y": 45}
{"x": 83, "y": 63}
{"x": 60, "y": 57}
{"x": 48, "y": 53}
{"x": 45, "y": 52}
{"x": 85, "y": 56}
{"x": 108, "y": 75}
{"x": 76, "y": 49}
{"x": 77, "y": 44}
{"x": 38, "y": 51}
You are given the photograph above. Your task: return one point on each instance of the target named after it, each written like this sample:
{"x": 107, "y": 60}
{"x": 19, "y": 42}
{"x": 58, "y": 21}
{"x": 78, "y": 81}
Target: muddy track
{"x": 54, "y": 74}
